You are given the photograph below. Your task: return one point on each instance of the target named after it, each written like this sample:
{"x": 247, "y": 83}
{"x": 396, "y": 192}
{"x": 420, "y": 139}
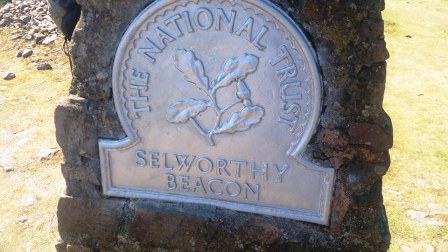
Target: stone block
{"x": 90, "y": 222}
{"x": 75, "y": 128}
{"x": 154, "y": 228}
{"x": 374, "y": 135}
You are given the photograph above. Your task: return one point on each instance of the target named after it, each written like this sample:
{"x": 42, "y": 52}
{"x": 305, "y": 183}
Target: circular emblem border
{"x": 293, "y": 31}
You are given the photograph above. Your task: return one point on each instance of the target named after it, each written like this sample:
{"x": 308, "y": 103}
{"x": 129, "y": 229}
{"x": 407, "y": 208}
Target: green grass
{"x": 417, "y": 86}
{"x": 3, "y": 2}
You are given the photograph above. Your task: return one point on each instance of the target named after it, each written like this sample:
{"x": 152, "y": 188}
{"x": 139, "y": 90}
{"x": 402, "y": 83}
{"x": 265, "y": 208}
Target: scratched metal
{"x": 219, "y": 99}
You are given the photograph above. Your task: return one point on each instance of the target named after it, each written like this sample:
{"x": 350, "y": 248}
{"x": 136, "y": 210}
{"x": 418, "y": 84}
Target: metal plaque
{"x": 219, "y": 99}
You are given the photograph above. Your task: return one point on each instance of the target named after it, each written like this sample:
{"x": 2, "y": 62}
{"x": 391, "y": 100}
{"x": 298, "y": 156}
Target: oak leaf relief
{"x": 234, "y": 71}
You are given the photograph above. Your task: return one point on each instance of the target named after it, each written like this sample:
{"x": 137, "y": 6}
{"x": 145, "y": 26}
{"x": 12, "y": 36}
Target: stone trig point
{"x": 225, "y": 125}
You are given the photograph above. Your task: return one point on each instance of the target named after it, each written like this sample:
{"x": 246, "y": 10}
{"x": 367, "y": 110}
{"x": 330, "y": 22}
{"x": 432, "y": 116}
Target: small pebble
{"x": 9, "y": 76}
{"x": 44, "y": 66}
{"x": 27, "y": 53}
{"x": 22, "y": 219}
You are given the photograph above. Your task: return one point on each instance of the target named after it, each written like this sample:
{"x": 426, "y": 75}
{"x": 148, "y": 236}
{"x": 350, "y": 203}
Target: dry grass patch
{"x": 417, "y": 86}
{"x": 29, "y": 194}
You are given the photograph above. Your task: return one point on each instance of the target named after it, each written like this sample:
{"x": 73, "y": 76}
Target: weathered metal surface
{"x": 219, "y": 99}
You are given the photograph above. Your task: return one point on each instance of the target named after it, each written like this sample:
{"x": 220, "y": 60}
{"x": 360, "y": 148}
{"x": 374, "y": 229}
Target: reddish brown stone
{"x": 155, "y": 228}
{"x": 332, "y": 138}
{"x": 361, "y": 176}
{"x": 340, "y": 206}
{"x": 338, "y": 161}
{"x": 372, "y": 135}
{"x": 260, "y": 230}
{"x": 93, "y": 223}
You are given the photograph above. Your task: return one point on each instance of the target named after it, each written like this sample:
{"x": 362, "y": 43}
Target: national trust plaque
{"x": 218, "y": 100}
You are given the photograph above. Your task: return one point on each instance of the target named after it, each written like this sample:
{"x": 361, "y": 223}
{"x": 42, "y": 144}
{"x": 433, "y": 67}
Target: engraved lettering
{"x": 287, "y": 72}
{"x": 148, "y": 52}
{"x": 233, "y": 189}
{"x": 257, "y": 40}
{"x": 247, "y": 27}
{"x": 187, "y": 21}
{"x": 165, "y": 162}
{"x": 182, "y": 161}
{"x": 290, "y": 92}
{"x": 292, "y": 108}
{"x": 198, "y": 185}
{"x": 201, "y": 22}
{"x": 291, "y": 95}
{"x": 140, "y": 77}
{"x": 172, "y": 21}
{"x": 137, "y": 109}
{"x": 284, "y": 55}
{"x": 154, "y": 160}
{"x": 221, "y": 166}
{"x": 254, "y": 191}
{"x": 139, "y": 97}
{"x": 238, "y": 164}
{"x": 280, "y": 172}
{"x": 171, "y": 181}
{"x": 214, "y": 189}
{"x": 263, "y": 170}
{"x": 221, "y": 16}
{"x": 205, "y": 165}
{"x": 134, "y": 86}
{"x": 291, "y": 122}
{"x": 163, "y": 37}
{"x": 141, "y": 159}
{"x": 185, "y": 182}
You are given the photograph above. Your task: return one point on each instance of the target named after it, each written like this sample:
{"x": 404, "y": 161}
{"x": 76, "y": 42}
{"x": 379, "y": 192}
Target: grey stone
{"x": 19, "y": 54}
{"x": 44, "y": 66}
{"x": 24, "y": 19}
{"x": 27, "y": 53}
{"x": 28, "y": 200}
{"x": 416, "y": 215}
{"x": 4, "y": 22}
{"x": 39, "y": 37}
{"x": 422, "y": 218}
{"x": 9, "y": 76}
{"x": 22, "y": 141}
{"x": 22, "y": 219}
{"x": 50, "y": 39}
{"x": 16, "y": 37}
{"x": 436, "y": 209}
{"x": 7, "y": 163}
{"x": 46, "y": 154}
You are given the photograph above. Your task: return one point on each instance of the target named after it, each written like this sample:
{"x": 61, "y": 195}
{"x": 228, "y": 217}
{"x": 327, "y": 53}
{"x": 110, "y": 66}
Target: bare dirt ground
{"x": 415, "y": 189}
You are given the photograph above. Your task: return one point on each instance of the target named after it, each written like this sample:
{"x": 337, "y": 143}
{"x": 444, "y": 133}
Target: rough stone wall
{"x": 354, "y": 137}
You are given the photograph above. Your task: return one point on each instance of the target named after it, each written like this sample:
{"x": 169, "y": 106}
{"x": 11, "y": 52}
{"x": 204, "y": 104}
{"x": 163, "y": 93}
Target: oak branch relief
{"x": 234, "y": 71}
